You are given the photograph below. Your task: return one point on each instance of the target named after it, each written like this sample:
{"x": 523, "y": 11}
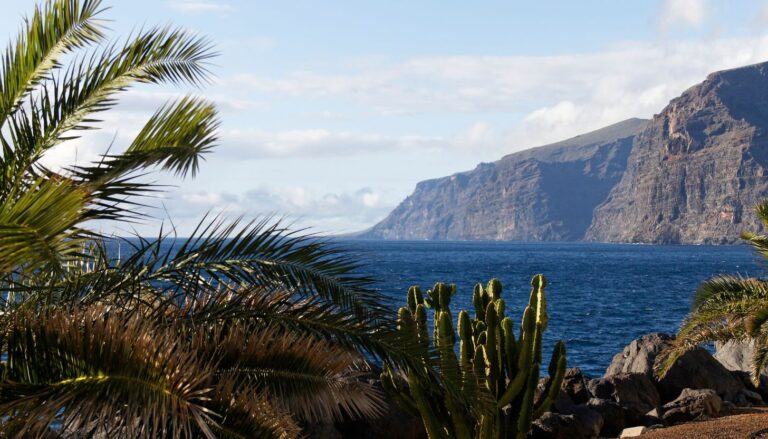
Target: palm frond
{"x": 247, "y": 413}
{"x": 40, "y": 225}
{"x": 311, "y": 378}
{"x": 175, "y": 139}
{"x": 718, "y": 291}
{"x": 66, "y": 102}
{"x": 92, "y": 369}
{"x": 55, "y": 29}
{"x": 267, "y": 255}
{"x": 702, "y": 327}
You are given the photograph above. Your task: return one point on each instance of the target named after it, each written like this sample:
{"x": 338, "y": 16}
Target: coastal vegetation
{"x": 496, "y": 372}
{"x": 727, "y": 308}
{"x": 243, "y": 329}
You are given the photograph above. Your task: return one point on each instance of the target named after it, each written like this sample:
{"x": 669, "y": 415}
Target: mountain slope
{"x": 698, "y": 168}
{"x": 545, "y": 193}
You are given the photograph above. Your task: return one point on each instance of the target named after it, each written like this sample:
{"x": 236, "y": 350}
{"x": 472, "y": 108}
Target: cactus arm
{"x": 494, "y": 289}
{"x": 432, "y": 423}
{"x": 510, "y": 346}
{"x": 556, "y": 375}
{"x": 414, "y": 298}
{"x": 514, "y": 388}
{"x": 491, "y": 345}
{"x": 524, "y": 359}
{"x": 500, "y": 308}
{"x": 525, "y": 417}
{"x": 466, "y": 342}
{"x": 420, "y": 327}
{"x": 446, "y": 340}
{"x": 477, "y": 302}
{"x": 539, "y": 283}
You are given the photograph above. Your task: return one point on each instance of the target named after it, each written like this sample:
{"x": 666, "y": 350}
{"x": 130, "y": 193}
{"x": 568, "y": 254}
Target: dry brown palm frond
{"x": 313, "y": 379}
{"x": 99, "y": 369}
{"x": 248, "y": 413}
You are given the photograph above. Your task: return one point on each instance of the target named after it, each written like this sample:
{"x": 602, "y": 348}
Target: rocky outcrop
{"x": 692, "y": 174}
{"x": 546, "y": 193}
{"x": 634, "y": 392}
{"x": 614, "y": 416}
{"x": 583, "y": 424}
{"x": 692, "y": 405}
{"x": 736, "y": 356}
{"x": 698, "y": 169}
{"x": 628, "y": 396}
{"x": 697, "y": 369}
{"x": 575, "y": 386}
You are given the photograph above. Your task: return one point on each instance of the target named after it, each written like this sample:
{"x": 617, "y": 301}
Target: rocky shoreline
{"x": 625, "y": 402}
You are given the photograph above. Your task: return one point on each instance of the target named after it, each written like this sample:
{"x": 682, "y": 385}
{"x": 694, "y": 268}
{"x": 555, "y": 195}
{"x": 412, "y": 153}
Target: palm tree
{"x": 243, "y": 329}
{"x": 727, "y": 308}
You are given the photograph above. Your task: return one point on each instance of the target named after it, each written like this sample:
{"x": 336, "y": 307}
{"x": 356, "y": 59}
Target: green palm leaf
{"x": 727, "y": 308}
{"x": 55, "y": 29}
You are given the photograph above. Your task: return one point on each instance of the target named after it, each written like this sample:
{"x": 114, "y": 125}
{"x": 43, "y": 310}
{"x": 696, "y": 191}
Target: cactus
{"x": 488, "y": 390}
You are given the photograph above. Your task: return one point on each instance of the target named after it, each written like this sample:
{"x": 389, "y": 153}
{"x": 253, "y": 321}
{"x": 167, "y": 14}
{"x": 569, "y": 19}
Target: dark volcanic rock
{"x": 696, "y": 369}
{"x": 545, "y": 193}
{"x": 581, "y": 423}
{"x": 575, "y": 386}
{"x": 692, "y": 405}
{"x": 635, "y": 392}
{"x": 614, "y": 416}
{"x": 698, "y": 169}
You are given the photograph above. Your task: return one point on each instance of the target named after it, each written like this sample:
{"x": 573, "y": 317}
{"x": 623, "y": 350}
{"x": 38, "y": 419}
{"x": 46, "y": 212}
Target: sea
{"x": 600, "y": 296}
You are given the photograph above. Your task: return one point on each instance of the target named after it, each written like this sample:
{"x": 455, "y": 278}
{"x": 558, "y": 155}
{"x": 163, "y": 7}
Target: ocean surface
{"x": 600, "y": 296}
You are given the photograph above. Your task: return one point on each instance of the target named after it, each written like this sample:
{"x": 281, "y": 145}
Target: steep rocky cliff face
{"x": 692, "y": 174}
{"x": 698, "y": 169}
{"x": 546, "y": 193}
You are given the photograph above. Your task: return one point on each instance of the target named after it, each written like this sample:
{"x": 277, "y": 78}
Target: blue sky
{"x": 332, "y": 111}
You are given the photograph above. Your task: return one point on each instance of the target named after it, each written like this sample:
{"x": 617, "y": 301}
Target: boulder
{"x": 638, "y": 356}
{"x": 736, "y": 355}
{"x": 581, "y": 423}
{"x": 696, "y": 369}
{"x": 562, "y": 401}
{"x": 752, "y": 397}
{"x": 635, "y": 392}
{"x": 691, "y": 405}
{"x": 575, "y": 386}
{"x": 613, "y": 416}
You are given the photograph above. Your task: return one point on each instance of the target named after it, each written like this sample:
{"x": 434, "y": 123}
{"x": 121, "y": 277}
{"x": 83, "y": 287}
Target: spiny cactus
{"x": 488, "y": 390}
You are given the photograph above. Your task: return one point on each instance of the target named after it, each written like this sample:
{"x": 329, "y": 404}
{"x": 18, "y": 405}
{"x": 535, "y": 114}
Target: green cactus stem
{"x": 493, "y": 379}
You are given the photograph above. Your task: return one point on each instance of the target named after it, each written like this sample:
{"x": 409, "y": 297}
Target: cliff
{"x": 546, "y": 193}
{"x": 692, "y": 174}
{"x": 698, "y": 169}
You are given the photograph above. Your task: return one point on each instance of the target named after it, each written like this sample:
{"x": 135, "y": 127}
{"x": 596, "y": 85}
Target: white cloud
{"x": 682, "y": 12}
{"x": 547, "y": 97}
{"x": 325, "y": 212}
{"x": 200, "y": 6}
{"x": 252, "y": 143}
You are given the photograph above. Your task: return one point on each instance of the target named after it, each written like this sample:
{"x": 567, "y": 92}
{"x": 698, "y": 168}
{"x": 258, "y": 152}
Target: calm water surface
{"x": 600, "y": 296}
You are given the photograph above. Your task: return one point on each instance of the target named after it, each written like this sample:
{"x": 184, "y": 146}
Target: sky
{"x": 332, "y": 111}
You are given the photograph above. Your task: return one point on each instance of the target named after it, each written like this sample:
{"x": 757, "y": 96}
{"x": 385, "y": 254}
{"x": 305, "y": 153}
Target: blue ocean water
{"x": 600, "y": 296}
